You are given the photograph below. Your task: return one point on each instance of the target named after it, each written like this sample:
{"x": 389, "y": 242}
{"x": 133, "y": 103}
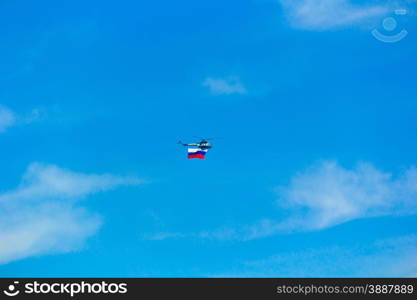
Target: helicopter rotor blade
{"x": 207, "y": 139}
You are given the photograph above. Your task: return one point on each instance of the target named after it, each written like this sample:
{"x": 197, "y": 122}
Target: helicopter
{"x": 203, "y": 144}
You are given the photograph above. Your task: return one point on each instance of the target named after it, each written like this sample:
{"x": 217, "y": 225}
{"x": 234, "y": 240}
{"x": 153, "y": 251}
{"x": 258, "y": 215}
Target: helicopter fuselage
{"x": 204, "y": 145}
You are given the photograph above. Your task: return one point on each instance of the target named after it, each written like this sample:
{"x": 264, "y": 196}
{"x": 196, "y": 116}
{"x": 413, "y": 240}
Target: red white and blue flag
{"x": 196, "y": 153}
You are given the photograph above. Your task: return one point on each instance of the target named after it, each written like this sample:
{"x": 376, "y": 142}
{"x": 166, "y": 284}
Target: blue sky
{"x": 313, "y": 172}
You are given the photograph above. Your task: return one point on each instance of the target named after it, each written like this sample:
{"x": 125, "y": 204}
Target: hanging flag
{"x": 196, "y": 153}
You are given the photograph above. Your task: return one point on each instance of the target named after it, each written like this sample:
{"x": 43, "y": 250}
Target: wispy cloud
{"x": 225, "y": 86}
{"x": 36, "y": 114}
{"x": 327, "y": 194}
{"x": 160, "y": 236}
{"x": 42, "y": 215}
{"x": 329, "y": 14}
{"x": 7, "y": 118}
{"x": 394, "y": 257}
{"x": 218, "y": 234}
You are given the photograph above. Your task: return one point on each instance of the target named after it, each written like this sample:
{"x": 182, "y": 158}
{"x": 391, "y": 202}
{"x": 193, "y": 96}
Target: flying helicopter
{"x": 203, "y": 144}
{"x": 198, "y": 150}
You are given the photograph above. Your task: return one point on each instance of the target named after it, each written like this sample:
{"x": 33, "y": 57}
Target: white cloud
{"x": 328, "y": 14}
{"x": 394, "y": 257}
{"x": 160, "y": 236}
{"x": 326, "y": 195}
{"x": 7, "y": 118}
{"x": 42, "y": 216}
{"x": 225, "y": 86}
{"x": 219, "y": 234}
